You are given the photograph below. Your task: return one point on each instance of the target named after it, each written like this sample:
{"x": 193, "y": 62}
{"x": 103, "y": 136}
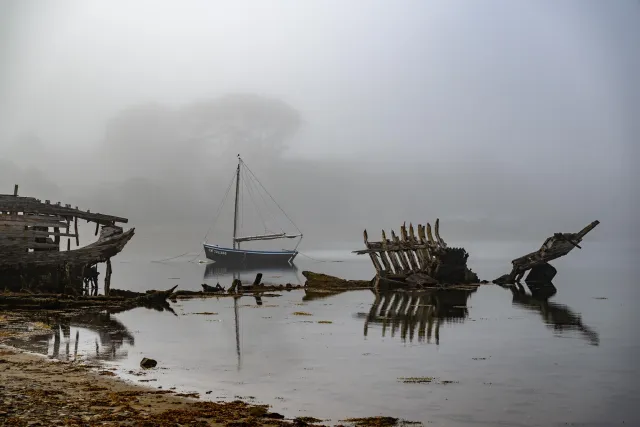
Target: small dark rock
{"x": 274, "y": 415}
{"x": 148, "y": 363}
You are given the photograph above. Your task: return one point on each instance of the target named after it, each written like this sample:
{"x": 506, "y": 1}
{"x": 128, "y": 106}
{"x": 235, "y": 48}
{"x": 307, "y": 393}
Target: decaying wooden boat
{"x": 30, "y": 244}
{"x": 537, "y": 263}
{"x": 422, "y": 260}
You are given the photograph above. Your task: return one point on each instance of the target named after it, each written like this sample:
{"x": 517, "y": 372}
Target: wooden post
{"x": 15, "y": 190}
{"x": 437, "y": 231}
{"x": 257, "y": 280}
{"x": 399, "y": 254}
{"x": 372, "y": 255}
{"x": 57, "y": 237}
{"x": 410, "y": 253}
{"x": 419, "y": 252}
{"x": 383, "y": 254}
{"x": 75, "y": 226}
{"x": 429, "y": 235}
{"x": 107, "y": 278}
{"x": 394, "y": 261}
{"x": 426, "y": 254}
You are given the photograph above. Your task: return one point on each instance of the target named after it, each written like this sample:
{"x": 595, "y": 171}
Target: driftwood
{"x": 324, "y": 281}
{"x": 422, "y": 260}
{"x": 556, "y": 246}
{"x": 213, "y": 289}
{"x": 63, "y": 302}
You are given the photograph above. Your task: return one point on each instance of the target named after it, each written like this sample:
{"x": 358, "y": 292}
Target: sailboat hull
{"x": 229, "y": 256}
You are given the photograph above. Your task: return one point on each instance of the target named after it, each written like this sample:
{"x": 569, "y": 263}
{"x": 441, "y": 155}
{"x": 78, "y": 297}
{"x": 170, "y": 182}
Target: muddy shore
{"x": 36, "y": 390}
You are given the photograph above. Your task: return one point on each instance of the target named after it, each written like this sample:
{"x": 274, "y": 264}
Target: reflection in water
{"x": 313, "y": 294}
{"x": 276, "y": 274}
{"x": 557, "y": 316}
{"x": 407, "y": 311}
{"x": 112, "y": 337}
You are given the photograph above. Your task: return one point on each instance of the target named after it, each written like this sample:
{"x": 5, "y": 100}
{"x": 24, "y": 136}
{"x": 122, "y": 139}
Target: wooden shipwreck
{"x": 556, "y": 246}
{"x": 31, "y": 233}
{"x": 416, "y": 261}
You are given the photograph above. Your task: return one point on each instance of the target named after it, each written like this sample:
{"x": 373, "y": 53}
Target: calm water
{"x": 513, "y": 361}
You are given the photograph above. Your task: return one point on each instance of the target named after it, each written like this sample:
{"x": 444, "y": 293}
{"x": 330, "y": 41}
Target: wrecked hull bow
{"x": 537, "y": 263}
{"x": 30, "y": 245}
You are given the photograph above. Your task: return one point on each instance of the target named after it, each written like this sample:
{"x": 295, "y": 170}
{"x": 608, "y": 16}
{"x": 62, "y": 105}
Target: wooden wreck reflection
{"x": 111, "y": 343}
{"x": 558, "y": 317}
{"x": 417, "y": 311}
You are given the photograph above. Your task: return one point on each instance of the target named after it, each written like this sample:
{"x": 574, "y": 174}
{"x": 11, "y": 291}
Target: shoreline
{"x": 38, "y": 390}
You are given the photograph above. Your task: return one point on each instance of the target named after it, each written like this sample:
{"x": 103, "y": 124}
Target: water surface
{"x": 511, "y": 360}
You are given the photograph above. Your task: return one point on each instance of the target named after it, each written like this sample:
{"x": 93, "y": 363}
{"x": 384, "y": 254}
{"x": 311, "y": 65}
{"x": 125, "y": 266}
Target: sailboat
{"x": 235, "y": 255}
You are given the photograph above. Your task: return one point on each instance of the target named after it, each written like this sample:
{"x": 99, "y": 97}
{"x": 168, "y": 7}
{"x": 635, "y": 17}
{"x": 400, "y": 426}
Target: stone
{"x": 147, "y": 363}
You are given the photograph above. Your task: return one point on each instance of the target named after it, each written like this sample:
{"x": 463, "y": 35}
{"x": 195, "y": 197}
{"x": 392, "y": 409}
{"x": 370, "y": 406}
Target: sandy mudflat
{"x": 37, "y": 391}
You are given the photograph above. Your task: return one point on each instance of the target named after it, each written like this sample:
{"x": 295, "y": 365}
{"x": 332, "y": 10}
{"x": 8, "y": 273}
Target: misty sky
{"x": 430, "y": 76}
{"x": 550, "y": 88}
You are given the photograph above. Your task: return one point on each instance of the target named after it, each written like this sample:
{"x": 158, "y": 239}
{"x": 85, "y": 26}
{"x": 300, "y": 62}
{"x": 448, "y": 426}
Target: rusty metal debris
{"x": 418, "y": 261}
{"x": 30, "y": 240}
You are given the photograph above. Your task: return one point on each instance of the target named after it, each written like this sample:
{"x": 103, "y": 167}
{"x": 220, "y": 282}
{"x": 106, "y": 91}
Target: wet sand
{"x": 38, "y": 391}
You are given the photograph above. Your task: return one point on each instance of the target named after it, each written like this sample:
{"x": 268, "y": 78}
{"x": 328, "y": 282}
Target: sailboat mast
{"x": 235, "y": 212}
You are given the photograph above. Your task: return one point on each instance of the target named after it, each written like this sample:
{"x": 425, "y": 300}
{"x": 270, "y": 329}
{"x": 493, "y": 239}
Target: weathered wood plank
{"x": 424, "y": 248}
{"x": 93, "y": 253}
{"x": 383, "y": 257}
{"x": 409, "y": 253}
{"x": 75, "y": 227}
{"x": 18, "y": 244}
{"x": 404, "y": 263}
{"x": 12, "y": 232}
{"x": 437, "y": 233}
{"x": 372, "y": 255}
{"x": 25, "y": 204}
{"x": 394, "y": 261}
{"x": 430, "y": 238}
{"x": 29, "y": 221}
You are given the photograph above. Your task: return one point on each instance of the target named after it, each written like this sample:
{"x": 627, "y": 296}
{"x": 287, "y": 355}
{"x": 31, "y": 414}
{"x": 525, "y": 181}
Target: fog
{"x": 507, "y": 120}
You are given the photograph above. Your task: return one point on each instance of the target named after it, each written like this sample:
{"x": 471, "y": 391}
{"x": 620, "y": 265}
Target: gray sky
{"x": 542, "y": 88}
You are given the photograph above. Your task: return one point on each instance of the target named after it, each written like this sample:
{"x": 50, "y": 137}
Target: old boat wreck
{"x": 31, "y": 233}
{"x": 410, "y": 261}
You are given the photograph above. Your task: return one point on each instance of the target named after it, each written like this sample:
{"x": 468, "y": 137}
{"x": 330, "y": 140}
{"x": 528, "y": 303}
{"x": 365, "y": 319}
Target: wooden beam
{"x": 30, "y": 221}
{"x": 383, "y": 255}
{"x": 372, "y": 255}
{"x": 12, "y": 232}
{"x": 107, "y": 278}
{"x": 24, "y": 204}
{"x": 429, "y": 235}
{"x": 399, "y": 254}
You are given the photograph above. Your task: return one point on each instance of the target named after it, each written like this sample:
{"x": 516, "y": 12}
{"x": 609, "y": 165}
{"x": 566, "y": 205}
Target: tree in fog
{"x": 241, "y": 123}
{"x": 152, "y": 140}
